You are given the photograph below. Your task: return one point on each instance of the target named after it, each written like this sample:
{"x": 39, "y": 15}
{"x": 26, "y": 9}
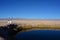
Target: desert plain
{"x": 32, "y": 22}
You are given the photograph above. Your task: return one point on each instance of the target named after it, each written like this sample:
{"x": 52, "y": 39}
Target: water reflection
{"x": 39, "y": 35}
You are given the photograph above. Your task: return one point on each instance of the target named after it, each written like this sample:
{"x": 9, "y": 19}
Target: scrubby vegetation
{"x": 8, "y": 32}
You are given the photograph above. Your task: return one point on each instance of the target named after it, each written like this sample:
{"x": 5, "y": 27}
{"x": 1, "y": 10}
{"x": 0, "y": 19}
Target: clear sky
{"x": 30, "y": 9}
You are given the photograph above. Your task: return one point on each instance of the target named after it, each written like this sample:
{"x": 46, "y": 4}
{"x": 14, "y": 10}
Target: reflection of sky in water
{"x": 39, "y": 35}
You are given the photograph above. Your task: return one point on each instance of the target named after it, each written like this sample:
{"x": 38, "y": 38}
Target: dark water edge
{"x": 39, "y": 35}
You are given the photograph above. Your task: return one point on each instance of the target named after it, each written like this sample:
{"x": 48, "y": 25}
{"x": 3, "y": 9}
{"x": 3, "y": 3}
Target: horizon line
{"x": 27, "y": 19}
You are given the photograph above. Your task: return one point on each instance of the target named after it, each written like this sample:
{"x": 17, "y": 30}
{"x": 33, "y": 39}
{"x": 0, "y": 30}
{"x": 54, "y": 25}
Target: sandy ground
{"x": 31, "y": 22}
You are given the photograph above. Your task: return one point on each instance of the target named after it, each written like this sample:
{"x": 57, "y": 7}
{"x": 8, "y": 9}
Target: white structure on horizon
{"x": 9, "y": 21}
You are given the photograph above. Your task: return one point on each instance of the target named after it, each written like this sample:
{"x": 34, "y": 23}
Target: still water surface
{"x": 39, "y": 35}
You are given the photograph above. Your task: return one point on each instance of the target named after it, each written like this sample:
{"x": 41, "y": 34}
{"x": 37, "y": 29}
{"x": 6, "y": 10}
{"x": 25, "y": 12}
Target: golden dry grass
{"x": 39, "y": 27}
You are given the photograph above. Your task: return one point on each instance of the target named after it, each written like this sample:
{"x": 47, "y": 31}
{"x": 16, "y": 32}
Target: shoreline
{"x": 39, "y": 29}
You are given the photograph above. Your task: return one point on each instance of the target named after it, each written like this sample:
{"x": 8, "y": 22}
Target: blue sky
{"x": 45, "y": 9}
